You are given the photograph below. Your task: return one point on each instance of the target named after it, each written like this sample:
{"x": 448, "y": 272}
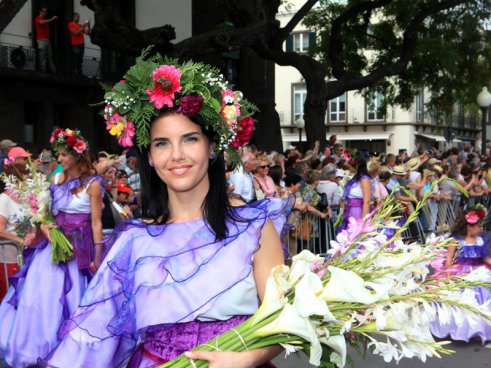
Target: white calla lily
{"x": 307, "y": 299}
{"x": 347, "y": 286}
{"x": 274, "y": 296}
{"x": 338, "y": 344}
{"x": 302, "y": 263}
{"x": 290, "y": 322}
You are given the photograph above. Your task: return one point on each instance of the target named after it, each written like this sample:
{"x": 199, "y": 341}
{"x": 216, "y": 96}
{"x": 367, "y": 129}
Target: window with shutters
{"x": 419, "y": 106}
{"x": 299, "y": 96}
{"x": 300, "y": 42}
{"x": 375, "y": 108}
{"x": 337, "y": 109}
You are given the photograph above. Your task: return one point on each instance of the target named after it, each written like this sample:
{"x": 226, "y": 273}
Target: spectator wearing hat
{"x": 17, "y": 155}
{"x": 5, "y": 146}
{"x": 123, "y": 200}
{"x": 47, "y": 164}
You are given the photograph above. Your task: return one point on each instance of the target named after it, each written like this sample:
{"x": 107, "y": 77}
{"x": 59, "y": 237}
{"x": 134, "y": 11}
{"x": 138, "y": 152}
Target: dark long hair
{"x": 155, "y": 199}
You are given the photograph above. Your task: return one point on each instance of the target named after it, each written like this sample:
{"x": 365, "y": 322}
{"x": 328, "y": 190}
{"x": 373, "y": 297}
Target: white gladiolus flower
{"x": 478, "y": 274}
{"x": 302, "y": 263}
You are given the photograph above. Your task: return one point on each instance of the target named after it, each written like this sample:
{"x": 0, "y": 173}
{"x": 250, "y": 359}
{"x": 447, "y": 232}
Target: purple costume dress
{"x": 43, "y": 295}
{"x": 353, "y": 205}
{"x": 163, "y": 289}
{"x": 470, "y": 257}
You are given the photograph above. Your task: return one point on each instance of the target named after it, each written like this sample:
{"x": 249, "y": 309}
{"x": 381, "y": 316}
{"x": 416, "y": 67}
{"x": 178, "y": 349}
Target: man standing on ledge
{"x": 42, "y": 36}
{"x": 77, "y": 32}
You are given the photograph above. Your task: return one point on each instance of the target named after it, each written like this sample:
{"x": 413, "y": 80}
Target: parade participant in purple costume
{"x": 196, "y": 266}
{"x": 357, "y": 194}
{"x": 43, "y": 294}
{"x": 472, "y": 253}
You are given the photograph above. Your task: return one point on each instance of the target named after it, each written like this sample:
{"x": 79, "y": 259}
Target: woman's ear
{"x": 212, "y": 149}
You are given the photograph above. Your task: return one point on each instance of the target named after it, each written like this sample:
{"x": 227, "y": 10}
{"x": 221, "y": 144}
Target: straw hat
{"x": 413, "y": 164}
{"x": 399, "y": 170}
{"x": 437, "y": 168}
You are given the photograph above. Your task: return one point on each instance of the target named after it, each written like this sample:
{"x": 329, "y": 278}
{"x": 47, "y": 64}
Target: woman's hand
{"x": 45, "y": 229}
{"x": 225, "y": 359}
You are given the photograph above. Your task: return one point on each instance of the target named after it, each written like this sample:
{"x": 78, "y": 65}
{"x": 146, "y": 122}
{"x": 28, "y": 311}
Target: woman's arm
{"x": 366, "y": 189}
{"x": 95, "y": 193}
{"x": 450, "y": 256}
{"x": 7, "y": 235}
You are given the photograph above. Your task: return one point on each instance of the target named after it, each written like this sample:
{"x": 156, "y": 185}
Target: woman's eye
{"x": 191, "y": 139}
{"x": 161, "y": 144}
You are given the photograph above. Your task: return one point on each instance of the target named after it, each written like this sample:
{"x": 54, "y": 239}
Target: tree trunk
{"x": 8, "y": 10}
{"x": 315, "y": 111}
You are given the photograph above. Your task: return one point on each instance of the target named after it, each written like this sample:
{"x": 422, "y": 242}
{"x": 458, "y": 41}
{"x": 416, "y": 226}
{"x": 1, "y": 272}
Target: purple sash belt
{"x": 355, "y": 202}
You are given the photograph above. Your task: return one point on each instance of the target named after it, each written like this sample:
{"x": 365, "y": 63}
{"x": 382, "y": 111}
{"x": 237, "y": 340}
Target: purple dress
{"x": 470, "y": 257}
{"x": 353, "y": 207}
{"x": 163, "y": 289}
{"x": 43, "y": 295}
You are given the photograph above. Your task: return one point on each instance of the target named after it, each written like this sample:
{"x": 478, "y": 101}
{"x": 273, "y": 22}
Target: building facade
{"x": 358, "y": 122}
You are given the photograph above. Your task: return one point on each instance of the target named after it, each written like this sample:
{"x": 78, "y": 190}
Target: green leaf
{"x": 216, "y": 105}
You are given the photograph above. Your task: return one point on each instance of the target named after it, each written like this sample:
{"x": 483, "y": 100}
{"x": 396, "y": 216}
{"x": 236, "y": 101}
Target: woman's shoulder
{"x": 266, "y": 207}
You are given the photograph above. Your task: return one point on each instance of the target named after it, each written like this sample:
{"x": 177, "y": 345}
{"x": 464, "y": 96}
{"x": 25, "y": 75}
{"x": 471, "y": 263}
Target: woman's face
{"x": 66, "y": 160}
{"x": 123, "y": 178}
{"x": 180, "y": 154}
{"x": 109, "y": 174}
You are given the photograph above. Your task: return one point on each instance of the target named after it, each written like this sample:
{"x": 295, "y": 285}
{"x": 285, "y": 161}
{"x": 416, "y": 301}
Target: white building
{"x": 357, "y": 122}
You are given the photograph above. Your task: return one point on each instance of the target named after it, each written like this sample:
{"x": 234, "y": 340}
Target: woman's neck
{"x": 186, "y": 206}
{"x": 470, "y": 239}
{"x": 73, "y": 173}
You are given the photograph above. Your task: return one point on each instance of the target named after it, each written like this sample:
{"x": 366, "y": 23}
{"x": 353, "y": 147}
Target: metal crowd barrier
{"x": 3, "y": 257}
{"x": 437, "y": 217}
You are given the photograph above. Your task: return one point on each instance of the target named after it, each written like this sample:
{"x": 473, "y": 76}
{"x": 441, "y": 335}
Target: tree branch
{"x": 409, "y": 43}
{"x": 335, "y": 52}
{"x": 297, "y": 18}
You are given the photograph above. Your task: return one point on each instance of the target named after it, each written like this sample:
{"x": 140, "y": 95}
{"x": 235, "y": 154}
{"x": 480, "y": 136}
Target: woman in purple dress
{"x": 197, "y": 265}
{"x": 43, "y": 294}
{"x": 357, "y": 195}
{"x": 471, "y": 253}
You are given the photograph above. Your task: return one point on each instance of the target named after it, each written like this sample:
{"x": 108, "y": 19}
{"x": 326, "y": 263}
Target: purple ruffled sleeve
{"x": 158, "y": 275}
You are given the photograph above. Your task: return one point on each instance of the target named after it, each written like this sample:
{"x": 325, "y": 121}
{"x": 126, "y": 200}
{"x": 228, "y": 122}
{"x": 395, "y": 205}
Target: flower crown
{"x": 476, "y": 214}
{"x": 195, "y": 89}
{"x": 70, "y": 140}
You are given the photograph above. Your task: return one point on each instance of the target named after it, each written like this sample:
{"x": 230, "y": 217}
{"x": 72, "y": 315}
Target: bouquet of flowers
{"x": 372, "y": 291}
{"x": 33, "y": 193}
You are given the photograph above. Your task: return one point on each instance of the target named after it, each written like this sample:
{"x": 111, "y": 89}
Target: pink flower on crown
{"x": 125, "y": 139}
{"x": 167, "y": 83}
{"x": 472, "y": 218}
{"x": 190, "y": 105}
{"x": 79, "y": 146}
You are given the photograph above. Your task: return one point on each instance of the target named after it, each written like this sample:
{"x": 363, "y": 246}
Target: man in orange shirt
{"x": 41, "y": 23}
{"x": 77, "y": 32}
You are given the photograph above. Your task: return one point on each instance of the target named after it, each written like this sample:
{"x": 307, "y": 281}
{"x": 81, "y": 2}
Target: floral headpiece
{"x": 70, "y": 140}
{"x": 476, "y": 214}
{"x": 195, "y": 89}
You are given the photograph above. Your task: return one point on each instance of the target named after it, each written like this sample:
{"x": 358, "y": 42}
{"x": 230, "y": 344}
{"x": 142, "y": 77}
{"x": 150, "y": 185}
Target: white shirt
{"x": 331, "y": 190}
{"x": 14, "y": 213}
{"x": 243, "y": 184}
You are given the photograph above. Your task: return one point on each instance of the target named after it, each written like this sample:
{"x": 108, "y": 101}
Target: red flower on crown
{"x": 71, "y": 141}
{"x": 244, "y": 134}
{"x": 56, "y": 135}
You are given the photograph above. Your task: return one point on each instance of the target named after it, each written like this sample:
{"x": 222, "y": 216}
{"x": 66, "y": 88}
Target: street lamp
{"x": 300, "y": 123}
{"x": 484, "y": 100}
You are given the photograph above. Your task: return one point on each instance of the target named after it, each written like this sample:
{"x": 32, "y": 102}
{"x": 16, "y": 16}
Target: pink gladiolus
{"x": 358, "y": 227}
{"x": 167, "y": 83}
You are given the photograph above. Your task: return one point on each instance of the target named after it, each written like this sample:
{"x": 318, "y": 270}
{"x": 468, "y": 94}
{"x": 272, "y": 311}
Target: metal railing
{"x": 27, "y": 59}
{"x": 3, "y": 257}
{"x": 437, "y": 217}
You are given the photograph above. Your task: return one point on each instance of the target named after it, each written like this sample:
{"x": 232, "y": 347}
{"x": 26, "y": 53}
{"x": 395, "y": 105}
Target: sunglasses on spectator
{"x": 264, "y": 166}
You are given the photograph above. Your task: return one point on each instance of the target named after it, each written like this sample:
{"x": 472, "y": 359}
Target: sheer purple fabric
{"x": 160, "y": 275}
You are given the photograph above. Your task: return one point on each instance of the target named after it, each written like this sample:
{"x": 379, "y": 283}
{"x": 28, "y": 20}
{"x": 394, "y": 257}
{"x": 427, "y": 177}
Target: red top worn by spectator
{"x": 42, "y": 30}
{"x": 76, "y": 39}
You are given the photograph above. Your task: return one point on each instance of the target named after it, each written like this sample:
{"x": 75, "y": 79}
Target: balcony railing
{"x": 27, "y": 59}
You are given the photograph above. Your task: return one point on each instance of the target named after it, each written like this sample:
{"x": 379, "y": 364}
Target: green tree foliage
{"x": 450, "y": 56}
